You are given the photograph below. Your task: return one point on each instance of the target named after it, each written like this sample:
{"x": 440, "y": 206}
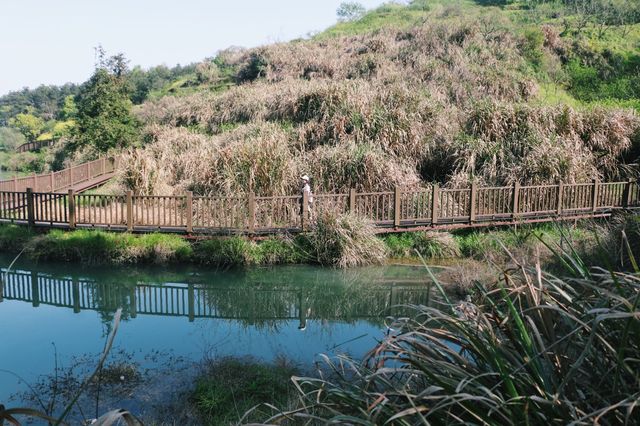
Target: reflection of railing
{"x": 397, "y": 210}
{"x": 201, "y": 301}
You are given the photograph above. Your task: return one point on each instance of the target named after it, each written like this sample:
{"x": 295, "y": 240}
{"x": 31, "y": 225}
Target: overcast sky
{"x": 52, "y": 41}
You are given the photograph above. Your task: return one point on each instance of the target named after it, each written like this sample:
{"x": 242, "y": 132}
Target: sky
{"x": 53, "y": 41}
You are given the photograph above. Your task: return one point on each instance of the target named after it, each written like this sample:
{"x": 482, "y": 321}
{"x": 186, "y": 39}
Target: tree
{"x": 104, "y": 118}
{"x": 69, "y": 109}
{"x": 27, "y": 124}
{"x": 350, "y": 11}
{"x": 10, "y": 138}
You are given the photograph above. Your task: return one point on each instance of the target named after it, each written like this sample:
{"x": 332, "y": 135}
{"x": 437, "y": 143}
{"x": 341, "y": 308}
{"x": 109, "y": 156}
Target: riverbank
{"x": 335, "y": 245}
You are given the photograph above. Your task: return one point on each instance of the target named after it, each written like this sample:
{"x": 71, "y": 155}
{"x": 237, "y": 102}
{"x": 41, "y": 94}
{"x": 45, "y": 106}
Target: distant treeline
{"x": 46, "y": 102}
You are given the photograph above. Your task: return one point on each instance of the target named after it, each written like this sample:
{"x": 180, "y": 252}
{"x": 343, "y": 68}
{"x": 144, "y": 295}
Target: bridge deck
{"x": 92, "y": 183}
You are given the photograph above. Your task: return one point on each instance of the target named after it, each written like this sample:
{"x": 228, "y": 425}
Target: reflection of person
{"x": 306, "y": 189}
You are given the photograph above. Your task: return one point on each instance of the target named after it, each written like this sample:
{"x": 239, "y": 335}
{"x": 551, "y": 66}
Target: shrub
{"x": 280, "y": 250}
{"x": 13, "y": 237}
{"x": 157, "y": 248}
{"x": 96, "y": 247}
{"x": 429, "y": 244}
{"x": 399, "y": 245}
{"x": 345, "y": 241}
{"x": 432, "y": 244}
{"x": 89, "y": 247}
{"x": 233, "y": 251}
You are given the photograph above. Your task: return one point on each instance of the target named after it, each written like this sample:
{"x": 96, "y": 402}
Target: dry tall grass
{"x": 441, "y": 101}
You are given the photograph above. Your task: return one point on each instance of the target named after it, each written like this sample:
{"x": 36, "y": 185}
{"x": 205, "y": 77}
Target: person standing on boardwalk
{"x": 306, "y": 189}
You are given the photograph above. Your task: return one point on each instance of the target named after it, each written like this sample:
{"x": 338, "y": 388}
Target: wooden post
{"x": 71, "y": 200}
{"x": 251, "y": 225}
{"x": 304, "y": 213}
{"x": 76, "y": 295}
{"x": 30, "y": 212}
{"x": 86, "y": 166}
{"x": 302, "y": 311}
{"x": 35, "y": 290}
{"x": 393, "y": 300}
{"x": 434, "y": 204}
{"x": 191, "y": 297}
{"x": 472, "y": 203}
{"x": 594, "y": 196}
{"x": 516, "y": 200}
{"x": 628, "y": 194}
{"x": 560, "y": 193}
{"x": 189, "y": 212}
{"x": 396, "y": 206}
{"x": 129, "y": 211}
{"x": 70, "y": 176}
{"x": 352, "y": 200}
{"x": 133, "y": 309}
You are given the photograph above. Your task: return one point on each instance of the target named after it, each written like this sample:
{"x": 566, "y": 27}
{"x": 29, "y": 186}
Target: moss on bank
{"x": 325, "y": 246}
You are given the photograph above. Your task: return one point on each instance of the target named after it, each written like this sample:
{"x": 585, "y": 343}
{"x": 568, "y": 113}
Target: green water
{"x": 173, "y": 319}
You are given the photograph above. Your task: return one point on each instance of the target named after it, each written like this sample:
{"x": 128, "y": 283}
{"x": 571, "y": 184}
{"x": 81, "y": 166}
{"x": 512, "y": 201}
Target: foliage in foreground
{"x": 537, "y": 349}
{"x": 230, "y": 386}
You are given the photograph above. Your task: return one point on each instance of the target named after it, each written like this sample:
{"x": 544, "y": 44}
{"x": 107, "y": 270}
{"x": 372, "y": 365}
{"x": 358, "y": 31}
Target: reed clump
{"x": 345, "y": 241}
{"x": 531, "y": 348}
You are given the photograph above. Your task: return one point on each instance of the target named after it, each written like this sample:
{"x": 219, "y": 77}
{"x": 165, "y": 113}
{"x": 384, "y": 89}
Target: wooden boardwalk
{"x": 79, "y": 178}
{"x": 392, "y": 211}
{"x": 35, "y": 145}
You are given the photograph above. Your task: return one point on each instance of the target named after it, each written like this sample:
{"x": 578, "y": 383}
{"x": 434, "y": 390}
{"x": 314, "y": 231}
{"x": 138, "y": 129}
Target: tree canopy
{"x": 350, "y": 11}
{"x": 104, "y": 118}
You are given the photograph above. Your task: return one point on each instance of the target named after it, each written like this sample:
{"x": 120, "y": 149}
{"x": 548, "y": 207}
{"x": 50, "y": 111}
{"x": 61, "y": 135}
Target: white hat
{"x": 305, "y": 177}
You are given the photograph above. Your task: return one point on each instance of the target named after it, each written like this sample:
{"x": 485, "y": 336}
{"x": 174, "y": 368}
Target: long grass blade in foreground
{"x": 535, "y": 349}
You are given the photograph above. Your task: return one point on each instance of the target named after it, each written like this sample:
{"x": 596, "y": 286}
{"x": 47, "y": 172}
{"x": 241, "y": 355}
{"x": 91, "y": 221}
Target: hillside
{"x": 406, "y": 96}
{"x": 432, "y": 91}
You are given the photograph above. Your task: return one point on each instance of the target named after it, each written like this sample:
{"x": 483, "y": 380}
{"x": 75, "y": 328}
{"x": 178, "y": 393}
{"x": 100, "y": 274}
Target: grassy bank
{"x": 341, "y": 242}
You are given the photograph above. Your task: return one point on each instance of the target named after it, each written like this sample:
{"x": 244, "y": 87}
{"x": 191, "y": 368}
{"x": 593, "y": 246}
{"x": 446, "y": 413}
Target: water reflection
{"x": 59, "y": 314}
{"x": 254, "y": 298}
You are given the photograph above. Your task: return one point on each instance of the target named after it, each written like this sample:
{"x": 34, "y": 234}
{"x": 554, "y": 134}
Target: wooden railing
{"x": 249, "y": 214}
{"x": 63, "y": 179}
{"x": 35, "y": 145}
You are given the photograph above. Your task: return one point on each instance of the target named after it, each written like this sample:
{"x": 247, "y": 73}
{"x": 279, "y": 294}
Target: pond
{"x": 172, "y": 319}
